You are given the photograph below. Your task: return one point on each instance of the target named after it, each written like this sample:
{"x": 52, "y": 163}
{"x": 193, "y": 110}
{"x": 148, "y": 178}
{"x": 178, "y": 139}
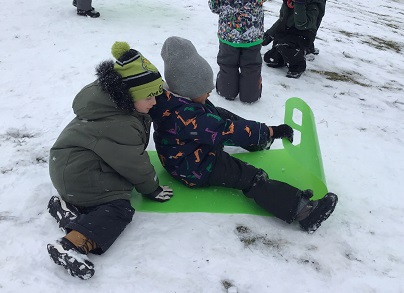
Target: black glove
{"x": 267, "y": 38}
{"x": 162, "y": 193}
{"x": 283, "y": 131}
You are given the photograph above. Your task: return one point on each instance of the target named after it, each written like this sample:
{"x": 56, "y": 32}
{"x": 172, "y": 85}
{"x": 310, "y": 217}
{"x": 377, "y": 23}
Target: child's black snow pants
{"x": 240, "y": 73}
{"x": 103, "y": 223}
{"x": 278, "y": 198}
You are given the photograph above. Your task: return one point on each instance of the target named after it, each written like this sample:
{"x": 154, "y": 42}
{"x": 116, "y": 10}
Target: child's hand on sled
{"x": 161, "y": 194}
{"x": 282, "y": 131}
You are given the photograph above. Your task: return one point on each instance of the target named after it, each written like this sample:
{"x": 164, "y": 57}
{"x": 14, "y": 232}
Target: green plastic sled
{"x": 298, "y": 164}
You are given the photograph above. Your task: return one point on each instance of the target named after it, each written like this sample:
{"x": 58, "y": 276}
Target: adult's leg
{"x": 250, "y": 74}
{"x": 84, "y": 8}
{"x": 227, "y": 81}
{"x": 84, "y": 5}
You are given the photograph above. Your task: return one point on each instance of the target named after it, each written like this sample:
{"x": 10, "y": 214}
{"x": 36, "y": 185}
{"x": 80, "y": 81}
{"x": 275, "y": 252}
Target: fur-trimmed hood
{"x": 105, "y": 97}
{"x": 111, "y": 83}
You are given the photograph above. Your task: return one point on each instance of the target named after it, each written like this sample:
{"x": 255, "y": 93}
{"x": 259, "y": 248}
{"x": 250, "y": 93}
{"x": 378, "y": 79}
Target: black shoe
{"x": 78, "y": 265}
{"x": 75, "y": 4}
{"x": 312, "y": 50}
{"x": 62, "y": 211}
{"x": 320, "y": 212}
{"x": 92, "y": 13}
{"x": 294, "y": 74}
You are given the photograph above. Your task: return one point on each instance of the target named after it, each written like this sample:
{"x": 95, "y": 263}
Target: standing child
{"x": 240, "y": 32}
{"x": 293, "y": 35}
{"x": 101, "y": 156}
{"x": 190, "y": 133}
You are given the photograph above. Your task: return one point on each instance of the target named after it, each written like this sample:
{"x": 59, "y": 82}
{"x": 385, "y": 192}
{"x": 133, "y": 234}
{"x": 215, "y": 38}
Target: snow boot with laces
{"x": 67, "y": 255}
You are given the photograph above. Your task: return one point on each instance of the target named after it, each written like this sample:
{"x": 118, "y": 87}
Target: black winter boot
{"x": 62, "y": 211}
{"x": 92, "y": 13}
{"x": 65, "y": 254}
{"x": 294, "y": 74}
{"x": 311, "y": 214}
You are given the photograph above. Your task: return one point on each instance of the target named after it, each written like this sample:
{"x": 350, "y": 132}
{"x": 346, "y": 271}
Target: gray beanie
{"x": 185, "y": 71}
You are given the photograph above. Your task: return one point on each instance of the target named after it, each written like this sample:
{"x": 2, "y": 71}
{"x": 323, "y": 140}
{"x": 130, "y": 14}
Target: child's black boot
{"x": 62, "y": 211}
{"x": 311, "y": 213}
{"x": 294, "y": 74}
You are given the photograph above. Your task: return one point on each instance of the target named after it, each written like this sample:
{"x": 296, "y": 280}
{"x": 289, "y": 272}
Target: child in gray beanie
{"x": 190, "y": 133}
{"x": 186, "y": 72}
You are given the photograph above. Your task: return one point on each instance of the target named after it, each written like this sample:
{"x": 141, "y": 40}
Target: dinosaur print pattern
{"x": 188, "y": 134}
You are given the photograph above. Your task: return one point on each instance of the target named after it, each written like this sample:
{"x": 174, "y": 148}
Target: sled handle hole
{"x": 297, "y": 118}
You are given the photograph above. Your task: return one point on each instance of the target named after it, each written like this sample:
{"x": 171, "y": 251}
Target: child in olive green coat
{"x": 101, "y": 156}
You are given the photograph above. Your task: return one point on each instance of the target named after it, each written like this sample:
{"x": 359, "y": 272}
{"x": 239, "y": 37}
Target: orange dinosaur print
{"x": 187, "y": 183}
{"x": 166, "y": 113}
{"x": 179, "y": 155}
{"x": 248, "y": 130}
{"x": 179, "y": 142}
{"x": 196, "y": 153}
{"x": 189, "y": 121}
{"x": 231, "y": 129}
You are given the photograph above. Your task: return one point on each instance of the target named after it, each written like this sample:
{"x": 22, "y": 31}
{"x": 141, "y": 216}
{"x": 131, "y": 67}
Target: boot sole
{"x": 74, "y": 263}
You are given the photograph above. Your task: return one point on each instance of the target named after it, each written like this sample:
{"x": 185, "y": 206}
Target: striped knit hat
{"x": 142, "y": 77}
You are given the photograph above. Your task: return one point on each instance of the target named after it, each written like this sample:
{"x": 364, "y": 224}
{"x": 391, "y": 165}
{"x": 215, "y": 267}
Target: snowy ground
{"x": 354, "y": 87}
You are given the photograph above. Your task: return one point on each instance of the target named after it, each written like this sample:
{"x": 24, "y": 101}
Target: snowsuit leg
{"x": 103, "y": 223}
{"x": 250, "y": 74}
{"x": 84, "y": 4}
{"x": 227, "y": 81}
{"x": 278, "y": 198}
{"x": 273, "y": 57}
{"x": 292, "y": 48}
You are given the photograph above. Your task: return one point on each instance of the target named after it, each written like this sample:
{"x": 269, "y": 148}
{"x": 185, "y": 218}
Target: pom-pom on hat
{"x": 139, "y": 74}
{"x": 185, "y": 71}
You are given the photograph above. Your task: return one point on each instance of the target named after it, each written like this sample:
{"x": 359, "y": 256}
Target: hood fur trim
{"x": 111, "y": 82}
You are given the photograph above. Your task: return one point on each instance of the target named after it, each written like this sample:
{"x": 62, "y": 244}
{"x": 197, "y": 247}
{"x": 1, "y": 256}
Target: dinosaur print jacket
{"x": 187, "y": 136}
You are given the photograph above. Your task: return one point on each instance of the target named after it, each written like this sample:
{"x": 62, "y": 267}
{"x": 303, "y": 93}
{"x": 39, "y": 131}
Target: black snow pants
{"x": 240, "y": 73}
{"x": 103, "y": 223}
{"x": 84, "y": 4}
{"x": 276, "y": 197}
